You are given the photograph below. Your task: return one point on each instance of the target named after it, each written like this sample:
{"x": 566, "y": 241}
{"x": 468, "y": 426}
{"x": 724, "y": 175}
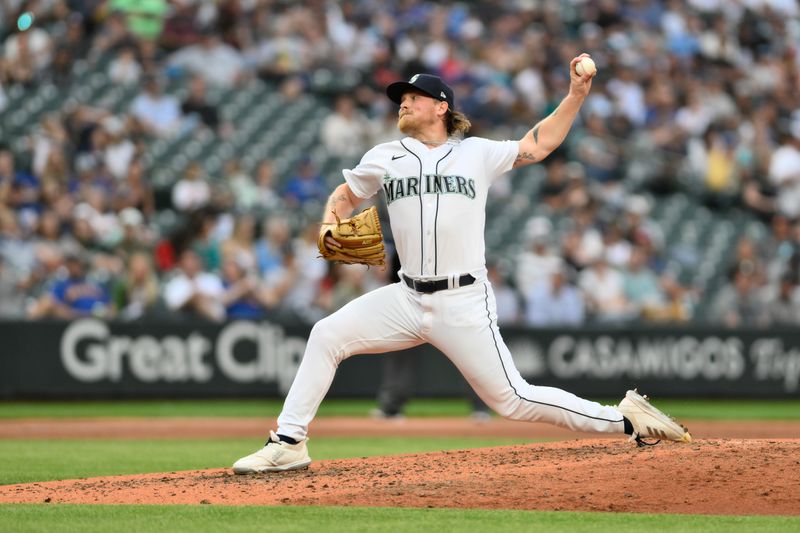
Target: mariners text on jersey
{"x": 396, "y": 188}
{"x": 436, "y": 199}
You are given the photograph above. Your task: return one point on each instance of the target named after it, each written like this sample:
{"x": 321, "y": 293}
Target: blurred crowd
{"x": 697, "y": 97}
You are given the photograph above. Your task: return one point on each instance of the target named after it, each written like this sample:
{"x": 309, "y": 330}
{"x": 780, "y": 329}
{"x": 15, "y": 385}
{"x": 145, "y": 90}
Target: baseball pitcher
{"x": 435, "y": 183}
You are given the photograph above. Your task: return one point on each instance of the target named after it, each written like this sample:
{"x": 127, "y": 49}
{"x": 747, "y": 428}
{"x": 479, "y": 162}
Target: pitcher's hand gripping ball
{"x": 358, "y": 239}
{"x": 585, "y": 66}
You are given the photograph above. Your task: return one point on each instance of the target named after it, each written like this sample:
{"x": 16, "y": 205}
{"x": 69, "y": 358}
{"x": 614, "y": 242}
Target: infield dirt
{"x": 708, "y": 476}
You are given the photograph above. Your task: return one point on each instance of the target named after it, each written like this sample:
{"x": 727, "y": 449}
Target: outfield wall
{"x": 91, "y": 358}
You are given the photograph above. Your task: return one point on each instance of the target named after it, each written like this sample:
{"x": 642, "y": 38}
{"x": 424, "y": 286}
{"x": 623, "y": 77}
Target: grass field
{"x": 38, "y": 460}
{"x": 697, "y": 409}
{"x": 86, "y": 518}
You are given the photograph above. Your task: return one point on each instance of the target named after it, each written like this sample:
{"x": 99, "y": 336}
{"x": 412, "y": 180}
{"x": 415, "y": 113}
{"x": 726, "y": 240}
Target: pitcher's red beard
{"x": 406, "y": 124}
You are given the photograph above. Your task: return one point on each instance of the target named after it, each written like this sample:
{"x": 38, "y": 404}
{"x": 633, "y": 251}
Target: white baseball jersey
{"x": 436, "y": 199}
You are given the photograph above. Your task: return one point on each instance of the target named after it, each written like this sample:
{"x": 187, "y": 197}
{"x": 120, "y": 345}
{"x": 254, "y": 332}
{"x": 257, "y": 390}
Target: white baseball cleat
{"x": 649, "y": 422}
{"x": 275, "y": 456}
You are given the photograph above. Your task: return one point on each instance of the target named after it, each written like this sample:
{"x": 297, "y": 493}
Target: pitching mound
{"x": 706, "y": 477}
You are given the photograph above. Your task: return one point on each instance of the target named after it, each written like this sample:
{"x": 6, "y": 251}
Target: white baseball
{"x": 585, "y": 66}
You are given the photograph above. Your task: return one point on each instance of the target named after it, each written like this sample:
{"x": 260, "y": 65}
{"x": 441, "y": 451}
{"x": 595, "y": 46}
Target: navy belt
{"x": 436, "y": 285}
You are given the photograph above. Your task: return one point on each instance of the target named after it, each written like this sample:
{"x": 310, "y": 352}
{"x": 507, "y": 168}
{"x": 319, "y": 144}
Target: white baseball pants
{"x": 460, "y": 322}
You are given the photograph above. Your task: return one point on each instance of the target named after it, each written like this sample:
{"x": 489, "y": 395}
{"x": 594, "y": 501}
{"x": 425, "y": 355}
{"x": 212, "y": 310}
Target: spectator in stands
{"x": 784, "y": 170}
{"x": 136, "y": 191}
{"x": 12, "y": 300}
{"x": 600, "y": 157}
{"x": 582, "y": 243}
{"x": 69, "y": 46}
{"x": 266, "y": 197}
{"x": 311, "y": 270}
{"x": 21, "y": 189}
{"x": 280, "y": 51}
{"x": 103, "y": 220}
{"x": 292, "y": 88}
{"x": 245, "y": 296}
{"x": 618, "y": 249}
{"x": 718, "y": 168}
{"x": 747, "y": 259}
{"x": 345, "y": 132}
{"x": 343, "y": 283}
{"x": 216, "y": 62}
{"x": 693, "y": 117}
{"x": 782, "y": 302}
{"x": 241, "y": 186}
{"x": 778, "y": 247}
{"x": 7, "y": 176}
{"x": 565, "y": 186}
{"x": 554, "y": 302}
{"x": 628, "y": 94}
{"x": 205, "y": 242}
{"x": 136, "y": 236}
{"x": 48, "y": 143}
{"x": 50, "y": 231}
{"x": 3, "y": 97}
{"x": 758, "y": 195}
{"x": 82, "y": 229}
{"x": 156, "y": 113}
{"x": 135, "y": 294}
{"x": 639, "y": 228}
{"x": 196, "y": 107}
{"x": 193, "y": 292}
{"x": 273, "y": 245}
{"x": 182, "y": 27}
{"x": 125, "y": 68}
{"x": 192, "y": 192}
{"x": 737, "y": 303}
{"x": 119, "y": 150}
{"x": 678, "y": 306}
{"x": 538, "y": 261}
{"x": 73, "y": 294}
{"x": 383, "y": 127}
{"x": 145, "y": 20}
{"x": 55, "y": 177}
{"x": 641, "y": 285}
{"x": 112, "y": 37}
{"x": 241, "y": 245}
{"x": 276, "y": 259}
{"x": 604, "y": 290}
{"x": 509, "y": 310}
{"x": 60, "y": 71}
{"x": 233, "y": 23}
{"x": 306, "y": 185}
{"x": 27, "y": 55}
{"x": 16, "y": 246}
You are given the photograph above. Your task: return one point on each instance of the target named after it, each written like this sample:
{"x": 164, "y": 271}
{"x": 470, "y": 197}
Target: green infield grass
{"x": 214, "y": 518}
{"x": 217, "y": 407}
{"x": 23, "y": 461}
{"x": 427, "y": 407}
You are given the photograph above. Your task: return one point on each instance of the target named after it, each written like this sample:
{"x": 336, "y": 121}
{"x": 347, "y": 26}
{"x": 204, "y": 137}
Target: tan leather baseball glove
{"x": 359, "y": 239}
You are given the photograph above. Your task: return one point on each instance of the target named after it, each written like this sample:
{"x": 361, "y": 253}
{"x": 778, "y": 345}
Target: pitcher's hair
{"x": 456, "y": 122}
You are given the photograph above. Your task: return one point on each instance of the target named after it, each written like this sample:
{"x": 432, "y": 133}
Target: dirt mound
{"x": 706, "y": 477}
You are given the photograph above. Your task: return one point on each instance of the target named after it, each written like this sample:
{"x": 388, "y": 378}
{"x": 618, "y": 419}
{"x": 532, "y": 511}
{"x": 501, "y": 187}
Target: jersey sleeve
{"x": 365, "y": 179}
{"x": 499, "y": 157}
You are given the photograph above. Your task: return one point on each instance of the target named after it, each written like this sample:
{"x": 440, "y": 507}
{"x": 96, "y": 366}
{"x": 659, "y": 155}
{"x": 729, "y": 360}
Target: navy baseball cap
{"x": 429, "y": 84}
